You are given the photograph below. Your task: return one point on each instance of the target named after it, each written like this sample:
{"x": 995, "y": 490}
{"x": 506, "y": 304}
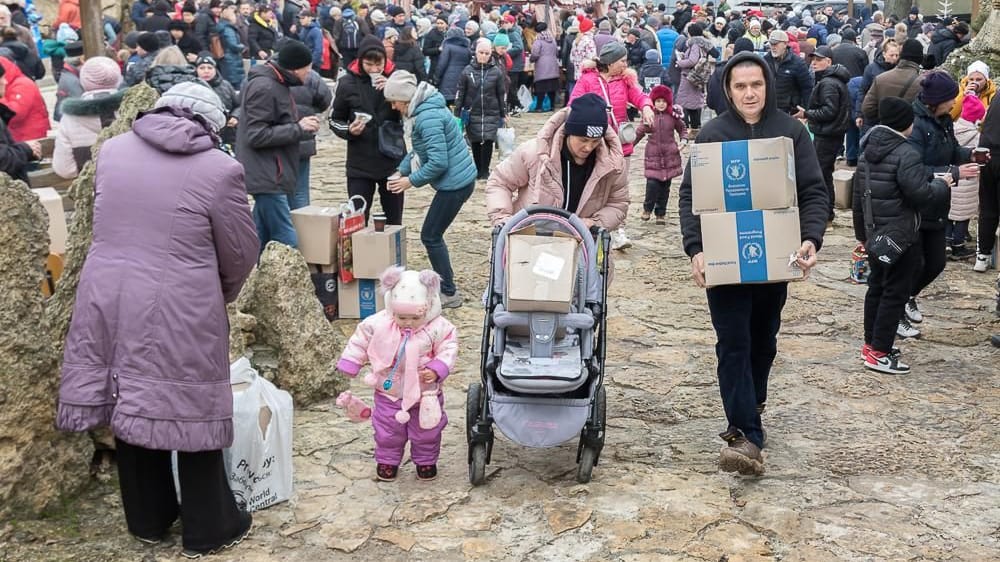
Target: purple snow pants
{"x": 391, "y": 436}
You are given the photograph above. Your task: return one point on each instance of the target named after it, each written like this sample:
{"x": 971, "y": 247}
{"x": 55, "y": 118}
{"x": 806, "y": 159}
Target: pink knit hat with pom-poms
{"x": 100, "y": 73}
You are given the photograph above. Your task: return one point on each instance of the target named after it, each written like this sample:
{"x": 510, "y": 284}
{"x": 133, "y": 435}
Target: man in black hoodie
{"x": 359, "y": 97}
{"x": 747, "y": 317}
{"x": 829, "y": 112}
{"x": 268, "y": 137}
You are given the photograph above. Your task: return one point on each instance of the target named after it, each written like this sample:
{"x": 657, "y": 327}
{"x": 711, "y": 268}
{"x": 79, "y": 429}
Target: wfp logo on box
{"x": 367, "y": 293}
{"x": 751, "y": 252}
{"x": 736, "y": 171}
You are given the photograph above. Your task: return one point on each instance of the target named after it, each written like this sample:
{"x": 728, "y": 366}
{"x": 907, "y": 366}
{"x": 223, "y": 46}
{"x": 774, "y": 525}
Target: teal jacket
{"x": 445, "y": 161}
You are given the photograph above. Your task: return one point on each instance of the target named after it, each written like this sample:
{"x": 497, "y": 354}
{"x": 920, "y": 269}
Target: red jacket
{"x": 69, "y": 12}
{"x": 31, "y": 119}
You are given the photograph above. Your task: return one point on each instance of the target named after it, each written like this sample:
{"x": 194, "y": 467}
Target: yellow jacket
{"x": 986, "y": 96}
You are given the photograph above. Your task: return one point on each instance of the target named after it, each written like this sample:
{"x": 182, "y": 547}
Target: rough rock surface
{"x": 279, "y": 295}
{"x": 37, "y": 464}
{"x": 861, "y": 466}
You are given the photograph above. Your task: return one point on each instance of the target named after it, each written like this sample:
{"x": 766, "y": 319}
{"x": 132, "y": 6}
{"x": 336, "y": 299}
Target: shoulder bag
{"x": 888, "y": 244}
{"x": 626, "y": 131}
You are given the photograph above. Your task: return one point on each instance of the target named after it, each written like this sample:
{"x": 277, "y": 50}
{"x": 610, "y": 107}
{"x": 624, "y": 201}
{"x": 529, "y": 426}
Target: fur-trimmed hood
{"x": 95, "y": 102}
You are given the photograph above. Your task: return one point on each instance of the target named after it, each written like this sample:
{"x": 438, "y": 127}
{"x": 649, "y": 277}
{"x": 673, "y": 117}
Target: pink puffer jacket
{"x": 623, "y": 90}
{"x": 532, "y": 175}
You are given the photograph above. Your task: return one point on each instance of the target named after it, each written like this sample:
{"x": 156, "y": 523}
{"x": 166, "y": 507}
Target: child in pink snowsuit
{"x": 411, "y": 349}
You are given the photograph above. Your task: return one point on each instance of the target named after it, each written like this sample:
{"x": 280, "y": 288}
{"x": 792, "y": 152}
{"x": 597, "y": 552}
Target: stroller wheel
{"x": 477, "y": 465}
{"x": 588, "y": 456}
{"x": 473, "y": 407}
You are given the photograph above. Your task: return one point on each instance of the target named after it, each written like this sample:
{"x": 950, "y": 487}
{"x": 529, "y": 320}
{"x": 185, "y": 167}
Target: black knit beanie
{"x": 895, "y": 113}
{"x": 294, "y": 55}
{"x": 588, "y": 117}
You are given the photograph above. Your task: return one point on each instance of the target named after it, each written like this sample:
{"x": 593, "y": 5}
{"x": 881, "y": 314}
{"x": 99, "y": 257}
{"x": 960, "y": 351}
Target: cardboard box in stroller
{"x": 742, "y": 175}
{"x": 541, "y": 273}
{"x": 750, "y": 246}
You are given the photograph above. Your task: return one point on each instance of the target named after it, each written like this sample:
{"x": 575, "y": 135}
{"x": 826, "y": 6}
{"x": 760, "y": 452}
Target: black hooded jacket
{"x": 893, "y": 170}
{"x": 829, "y": 110}
{"x": 943, "y": 42}
{"x": 355, "y": 94}
{"x": 813, "y": 199}
{"x": 934, "y": 139}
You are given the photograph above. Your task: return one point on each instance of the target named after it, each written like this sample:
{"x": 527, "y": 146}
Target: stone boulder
{"x": 289, "y": 319}
{"x": 38, "y": 465}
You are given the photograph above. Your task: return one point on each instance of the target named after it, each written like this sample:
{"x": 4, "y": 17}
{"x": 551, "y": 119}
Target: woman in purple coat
{"x": 147, "y": 350}
{"x": 545, "y": 55}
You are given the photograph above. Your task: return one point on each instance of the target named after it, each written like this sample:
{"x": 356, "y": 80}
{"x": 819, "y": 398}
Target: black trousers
{"x": 931, "y": 245}
{"x": 826, "y": 151}
{"x": 209, "y": 514}
{"x": 746, "y": 320}
{"x": 657, "y": 194}
{"x": 392, "y": 203}
{"x": 989, "y": 205}
{"x": 889, "y": 287}
{"x": 514, "y": 82}
{"x": 692, "y": 118}
{"x": 482, "y": 154}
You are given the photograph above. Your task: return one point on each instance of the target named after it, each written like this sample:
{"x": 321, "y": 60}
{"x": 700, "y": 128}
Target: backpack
{"x": 701, "y": 72}
{"x": 349, "y": 36}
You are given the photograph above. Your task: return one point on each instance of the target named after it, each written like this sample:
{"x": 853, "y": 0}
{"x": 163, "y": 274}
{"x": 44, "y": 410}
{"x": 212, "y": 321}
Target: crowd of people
{"x": 420, "y": 95}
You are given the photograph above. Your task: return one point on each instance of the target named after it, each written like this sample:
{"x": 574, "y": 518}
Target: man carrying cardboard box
{"x": 747, "y": 317}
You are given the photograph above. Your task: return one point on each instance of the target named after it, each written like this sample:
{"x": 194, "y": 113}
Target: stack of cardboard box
{"x": 371, "y": 252}
{"x": 745, "y": 193}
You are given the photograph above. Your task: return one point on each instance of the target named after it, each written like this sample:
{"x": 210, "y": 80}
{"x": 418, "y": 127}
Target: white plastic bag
{"x": 260, "y": 461}
{"x": 506, "y": 141}
{"x": 524, "y": 96}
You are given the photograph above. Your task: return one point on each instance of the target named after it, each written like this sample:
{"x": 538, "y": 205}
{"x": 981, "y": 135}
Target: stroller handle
{"x": 533, "y": 209}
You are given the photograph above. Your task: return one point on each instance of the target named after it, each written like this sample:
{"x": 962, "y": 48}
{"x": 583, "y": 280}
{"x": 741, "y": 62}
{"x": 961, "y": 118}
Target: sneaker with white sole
{"x": 982, "y": 263}
{"x": 913, "y": 311}
{"x": 886, "y": 363}
{"x": 620, "y": 240}
{"x": 906, "y": 330}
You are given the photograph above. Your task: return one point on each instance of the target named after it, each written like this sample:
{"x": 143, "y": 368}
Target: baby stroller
{"x": 542, "y": 373}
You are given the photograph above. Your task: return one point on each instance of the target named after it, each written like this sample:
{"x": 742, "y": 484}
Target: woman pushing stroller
{"x": 575, "y": 163}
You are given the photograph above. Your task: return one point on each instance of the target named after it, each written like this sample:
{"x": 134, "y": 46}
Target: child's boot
{"x": 427, "y": 471}
{"x": 386, "y": 472}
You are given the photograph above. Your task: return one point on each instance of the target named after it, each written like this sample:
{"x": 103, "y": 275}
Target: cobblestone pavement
{"x": 860, "y": 466}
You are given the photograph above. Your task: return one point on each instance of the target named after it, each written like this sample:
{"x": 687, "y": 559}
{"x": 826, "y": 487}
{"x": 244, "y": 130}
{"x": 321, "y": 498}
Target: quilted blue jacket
{"x": 445, "y": 161}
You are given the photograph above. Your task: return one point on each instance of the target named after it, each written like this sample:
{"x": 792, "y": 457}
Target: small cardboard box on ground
{"x": 53, "y": 204}
{"x": 375, "y": 251}
{"x": 742, "y": 175}
{"x": 843, "y": 189}
{"x": 317, "y": 229}
{"x": 359, "y": 299}
{"x": 541, "y": 272}
{"x": 751, "y": 246}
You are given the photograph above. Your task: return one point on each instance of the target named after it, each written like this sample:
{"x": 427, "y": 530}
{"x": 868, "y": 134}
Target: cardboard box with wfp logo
{"x": 742, "y": 175}
{"x": 359, "y": 298}
{"x": 756, "y": 246}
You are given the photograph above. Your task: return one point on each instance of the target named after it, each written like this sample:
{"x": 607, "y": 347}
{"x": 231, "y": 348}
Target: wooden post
{"x": 92, "y": 21}
{"x": 850, "y": 8}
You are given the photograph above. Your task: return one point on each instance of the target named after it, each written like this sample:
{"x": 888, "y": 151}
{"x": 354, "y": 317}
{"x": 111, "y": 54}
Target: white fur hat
{"x": 411, "y": 292}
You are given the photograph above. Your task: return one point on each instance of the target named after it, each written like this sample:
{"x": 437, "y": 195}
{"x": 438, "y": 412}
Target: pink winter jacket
{"x": 376, "y": 341}
{"x": 532, "y": 175}
{"x": 624, "y": 90}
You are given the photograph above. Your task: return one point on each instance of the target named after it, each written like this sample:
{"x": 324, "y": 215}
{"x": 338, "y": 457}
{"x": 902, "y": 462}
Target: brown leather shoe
{"x": 740, "y": 455}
